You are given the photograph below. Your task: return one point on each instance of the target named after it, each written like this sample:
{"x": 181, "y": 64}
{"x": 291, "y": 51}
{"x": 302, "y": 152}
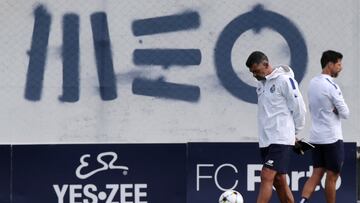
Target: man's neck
{"x": 326, "y": 71}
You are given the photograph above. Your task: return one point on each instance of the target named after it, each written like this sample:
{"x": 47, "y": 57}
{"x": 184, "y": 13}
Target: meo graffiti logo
{"x": 256, "y": 19}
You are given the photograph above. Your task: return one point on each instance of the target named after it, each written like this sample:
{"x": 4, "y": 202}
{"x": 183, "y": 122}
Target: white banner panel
{"x": 110, "y": 71}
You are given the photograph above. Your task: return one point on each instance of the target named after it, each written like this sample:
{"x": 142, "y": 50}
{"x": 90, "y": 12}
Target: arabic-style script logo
{"x": 105, "y": 165}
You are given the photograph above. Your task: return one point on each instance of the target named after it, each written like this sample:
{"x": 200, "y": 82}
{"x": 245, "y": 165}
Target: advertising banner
{"x": 5, "y": 155}
{"x": 136, "y": 173}
{"x": 216, "y": 167}
{"x": 144, "y": 173}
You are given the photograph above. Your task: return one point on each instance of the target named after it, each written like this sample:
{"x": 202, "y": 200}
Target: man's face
{"x": 335, "y": 68}
{"x": 259, "y": 70}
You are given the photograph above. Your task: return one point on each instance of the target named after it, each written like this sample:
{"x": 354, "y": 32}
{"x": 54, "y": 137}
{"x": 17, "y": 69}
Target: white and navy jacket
{"x": 324, "y": 96}
{"x": 281, "y": 108}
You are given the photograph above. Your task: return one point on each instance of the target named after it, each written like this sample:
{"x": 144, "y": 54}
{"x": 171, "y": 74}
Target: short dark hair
{"x": 256, "y": 57}
{"x": 330, "y": 56}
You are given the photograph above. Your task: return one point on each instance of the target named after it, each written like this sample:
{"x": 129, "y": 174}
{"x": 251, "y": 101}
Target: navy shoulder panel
{"x": 331, "y": 82}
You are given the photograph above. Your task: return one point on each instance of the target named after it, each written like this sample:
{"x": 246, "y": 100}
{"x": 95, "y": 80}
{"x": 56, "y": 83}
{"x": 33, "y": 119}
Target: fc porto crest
{"x": 272, "y": 89}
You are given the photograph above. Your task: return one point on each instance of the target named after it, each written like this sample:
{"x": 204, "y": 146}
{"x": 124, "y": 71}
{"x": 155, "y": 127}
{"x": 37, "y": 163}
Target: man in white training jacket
{"x": 327, "y": 108}
{"x": 281, "y": 115}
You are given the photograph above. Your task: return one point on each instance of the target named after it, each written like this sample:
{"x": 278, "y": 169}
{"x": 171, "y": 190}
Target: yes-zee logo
{"x": 95, "y": 192}
{"x": 105, "y": 166}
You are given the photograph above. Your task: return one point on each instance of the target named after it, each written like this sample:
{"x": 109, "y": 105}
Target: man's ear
{"x": 330, "y": 64}
{"x": 266, "y": 64}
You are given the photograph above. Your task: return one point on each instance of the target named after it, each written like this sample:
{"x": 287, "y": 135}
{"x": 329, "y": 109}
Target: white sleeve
{"x": 295, "y": 102}
{"x": 339, "y": 103}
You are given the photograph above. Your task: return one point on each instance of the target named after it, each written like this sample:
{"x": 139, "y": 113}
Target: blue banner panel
{"x": 345, "y": 185}
{"x": 120, "y": 173}
{"x": 5, "y": 154}
{"x": 216, "y": 167}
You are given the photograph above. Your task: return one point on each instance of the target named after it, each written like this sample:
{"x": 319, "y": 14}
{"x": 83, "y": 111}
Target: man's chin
{"x": 259, "y": 78}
